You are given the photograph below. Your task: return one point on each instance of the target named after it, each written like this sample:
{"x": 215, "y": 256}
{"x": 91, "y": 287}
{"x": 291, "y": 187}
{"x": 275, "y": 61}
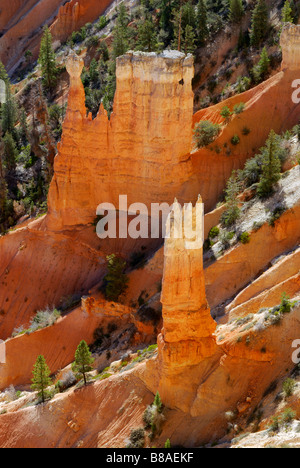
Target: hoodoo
{"x": 186, "y": 342}
{"x": 142, "y": 151}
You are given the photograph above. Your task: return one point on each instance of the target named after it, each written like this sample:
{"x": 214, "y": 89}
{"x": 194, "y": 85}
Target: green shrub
{"x": 226, "y": 113}
{"x": 245, "y": 238}
{"x": 205, "y": 133}
{"x": 246, "y": 131}
{"x": 235, "y": 140}
{"x": 239, "y": 108}
{"x": 214, "y": 232}
{"x": 285, "y": 305}
{"x": 243, "y": 84}
{"x": 276, "y": 214}
{"x": 137, "y": 439}
{"x": 116, "y": 281}
{"x": 289, "y": 387}
{"x": 287, "y": 416}
{"x": 102, "y": 23}
{"x": 92, "y": 41}
{"x": 274, "y": 426}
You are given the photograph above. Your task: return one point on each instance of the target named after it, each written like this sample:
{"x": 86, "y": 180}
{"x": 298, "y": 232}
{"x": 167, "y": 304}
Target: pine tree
{"x": 3, "y": 189}
{"x": 202, "y": 21}
{"x": 23, "y": 126}
{"x": 232, "y": 190}
{"x": 271, "y": 166}
{"x": 165, "y": 20}
{"x": 146, "y": 40}
{"x": 41, "y": 380}
{"x": 83, "y": 361}
{"x": 189, "y": 40}
{"x": 115, "y": 280}
{"x": 120, "y": 33}
{"x": 9, "y": 113}
{"x": 286, "y": 13}
{"x": 158, "y": 402}
{"x": 295, "y": 10}
{"x": 188, "y": 15}
{"x": 47, "y": 60}
{"x": 236, "y": 10}
{"x": 264, "y": 62}
{"x": 168, "y": 444}
{"x": 3, "y": 73}
{"x": 261, "y": 69}
{"x": 177, "y": 28}
{"x": 259, "y": 27}
{"x": 10, "y": 152}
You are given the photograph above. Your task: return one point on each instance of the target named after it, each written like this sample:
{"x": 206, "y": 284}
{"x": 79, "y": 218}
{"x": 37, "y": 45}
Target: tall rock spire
{"x": 186, "y": 342}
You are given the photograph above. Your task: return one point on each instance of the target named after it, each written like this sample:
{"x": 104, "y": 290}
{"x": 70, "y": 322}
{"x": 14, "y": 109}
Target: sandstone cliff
{"x": 75, "y": 14}
{"x": 21, "y": 24}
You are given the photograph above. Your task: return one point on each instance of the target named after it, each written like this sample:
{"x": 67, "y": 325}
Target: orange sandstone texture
{"x": 39, "y": 268}
{"x": 200, "y": 379}
{"x": 140, "y": 152}
{"x": 267, "y": 106}
{"x": 58, "y": 342}
{"x": 75, "y": 14}
{"x": 21, "y": 23}
{"x": 186, "y": 340}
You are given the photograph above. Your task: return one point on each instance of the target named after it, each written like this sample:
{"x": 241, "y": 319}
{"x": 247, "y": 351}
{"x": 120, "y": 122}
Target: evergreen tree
{"x": 259, "y": 25}
{"x": 83, "y": 361}
{"x": 236, "y": 10}
{"x": 120, "y": 34}
{"x": 10, "y": 152}
{"x": 286, "y": 14}
{"x": 115, "y": 280}
{"x": 47, "y": 60}
{"x": 188, "y": 15}
{"x": 177, "y": 28}
{"x": 3, "y": 73}
{"x": 271, "y": 166}
{"x": 23, "y": 133}
{"x": 165, "y": 21}
{"x": 202, "y": 21}
{"x": 189, "y": 39}
{"x": 168, "y": 444}
{"x": 261, "y": 69}
{"x": 146, "y": 40}
{"x": 158, "y": 402}
{"x": 41, "y": 380}
{"x": 232, "y": 190}
{"x": 9, "y": 113}
{"x": 3, "y": 190}
{"x": 295, "y": 10}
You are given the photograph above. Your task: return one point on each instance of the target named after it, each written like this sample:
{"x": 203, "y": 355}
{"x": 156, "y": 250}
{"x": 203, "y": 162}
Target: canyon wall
{"x": 142, "y": 151}
{"x": 75, "y": 14}
{"x": 24, "y": 28}
{"x": 267, "y": 106}
{"x": 58, "y": 343}
{"x": 21, "y": 24}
